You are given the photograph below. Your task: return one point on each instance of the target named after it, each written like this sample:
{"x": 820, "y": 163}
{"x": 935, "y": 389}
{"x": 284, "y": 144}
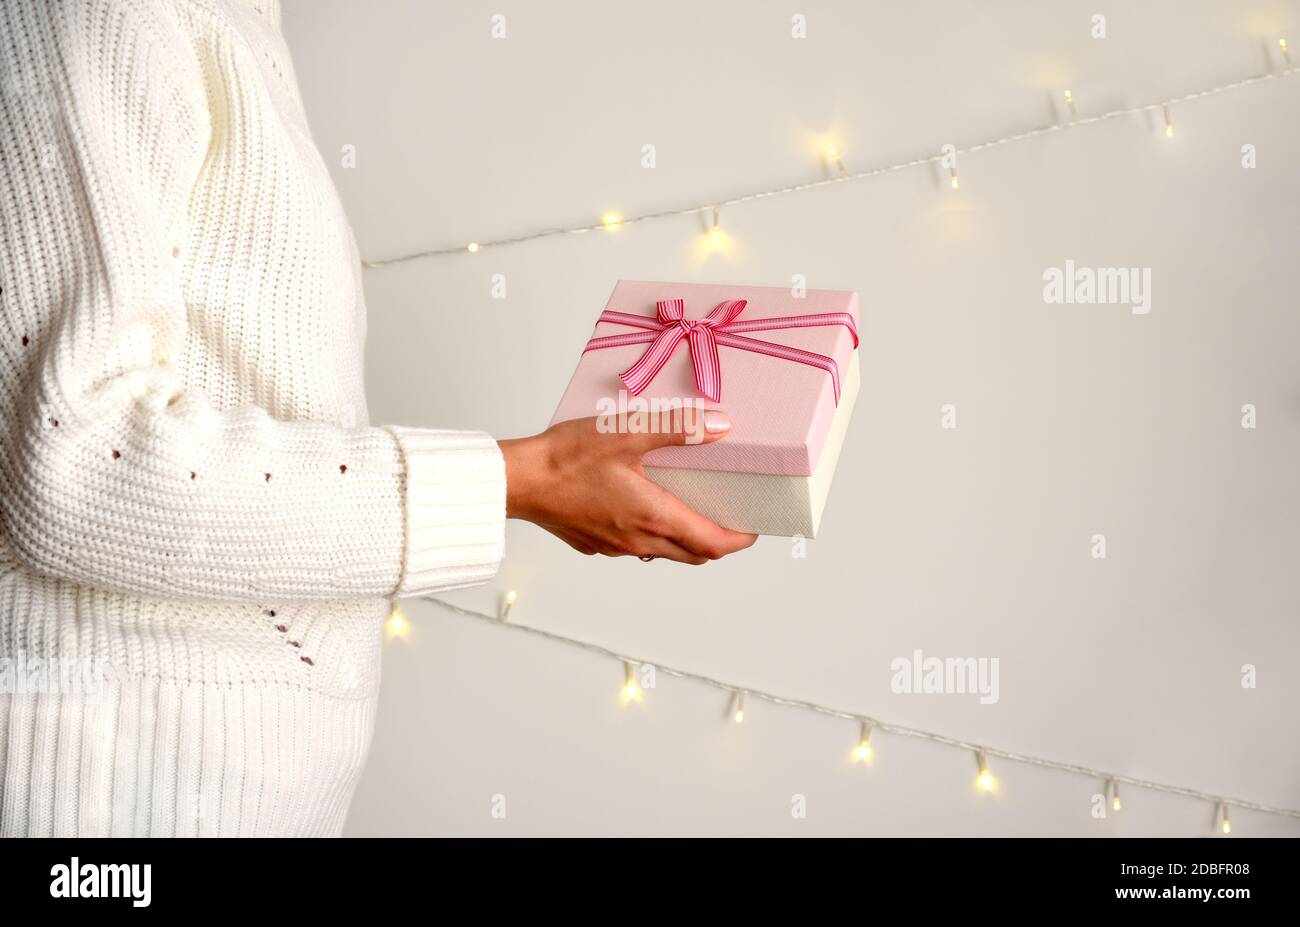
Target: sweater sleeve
{"x": 113, "y": 473}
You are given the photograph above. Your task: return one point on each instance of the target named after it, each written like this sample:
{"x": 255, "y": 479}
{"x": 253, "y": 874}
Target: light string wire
{"x": 875, "y": 724}
{"x": 843, "y": 177}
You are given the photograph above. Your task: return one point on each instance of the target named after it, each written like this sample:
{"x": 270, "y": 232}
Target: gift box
{"x": 784, "y": 368}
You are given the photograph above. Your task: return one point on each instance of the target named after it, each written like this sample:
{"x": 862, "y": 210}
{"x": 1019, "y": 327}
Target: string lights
{"x": 612, "y": 221}
{"x": 864, "y": 752}
{"x": 397, "y": 625}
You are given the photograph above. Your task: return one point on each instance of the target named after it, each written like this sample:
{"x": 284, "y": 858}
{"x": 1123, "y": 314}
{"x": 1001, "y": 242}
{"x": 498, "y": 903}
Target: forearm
{"x": 184, "y": 501}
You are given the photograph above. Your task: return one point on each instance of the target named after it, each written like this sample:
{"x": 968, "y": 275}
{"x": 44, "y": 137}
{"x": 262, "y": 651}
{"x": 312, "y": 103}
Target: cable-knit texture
{"x": 195, "y": 513}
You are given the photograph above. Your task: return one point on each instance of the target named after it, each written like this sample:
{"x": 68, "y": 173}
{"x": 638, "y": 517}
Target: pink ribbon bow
{"x": 720, "y": 327}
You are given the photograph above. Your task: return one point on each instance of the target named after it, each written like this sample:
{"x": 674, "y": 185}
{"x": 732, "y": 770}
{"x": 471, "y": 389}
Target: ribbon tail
{"x": 707, "y": 364}
{"x": 637, "y": 377}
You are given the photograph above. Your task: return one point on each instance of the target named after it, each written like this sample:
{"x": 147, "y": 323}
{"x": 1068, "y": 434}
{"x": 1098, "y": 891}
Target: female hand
{"x": 586, "y": 486}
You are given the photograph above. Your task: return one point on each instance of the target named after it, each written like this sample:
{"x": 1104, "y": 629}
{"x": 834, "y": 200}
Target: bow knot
{"x": 700, "y": 337}
{"x": 690, "y": 326}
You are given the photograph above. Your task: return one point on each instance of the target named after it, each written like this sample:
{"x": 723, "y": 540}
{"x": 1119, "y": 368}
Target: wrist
{"x": 525, "y": 475}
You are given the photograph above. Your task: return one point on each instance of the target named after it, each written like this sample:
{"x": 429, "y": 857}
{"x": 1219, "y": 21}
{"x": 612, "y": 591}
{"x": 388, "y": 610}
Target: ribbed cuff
{"x": 455, "y": 509}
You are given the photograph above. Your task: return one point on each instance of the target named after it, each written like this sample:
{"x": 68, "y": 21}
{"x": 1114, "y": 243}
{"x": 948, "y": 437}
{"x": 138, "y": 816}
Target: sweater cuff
{"x": 455, "y": 497}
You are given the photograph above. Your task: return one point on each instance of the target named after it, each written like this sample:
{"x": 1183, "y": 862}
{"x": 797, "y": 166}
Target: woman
{"x": 199, "y": 524}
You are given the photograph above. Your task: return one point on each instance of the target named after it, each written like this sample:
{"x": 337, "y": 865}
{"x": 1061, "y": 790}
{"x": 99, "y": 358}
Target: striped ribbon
{"x": 722, "y": 326}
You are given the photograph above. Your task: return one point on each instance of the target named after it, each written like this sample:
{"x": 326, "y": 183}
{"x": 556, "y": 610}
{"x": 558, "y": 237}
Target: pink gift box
{"x": 772, "y": 473}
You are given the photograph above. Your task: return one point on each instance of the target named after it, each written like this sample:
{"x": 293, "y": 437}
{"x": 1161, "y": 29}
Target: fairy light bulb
{"x": 1286, "y": 52}
{"x": 396, "y": 627}
{"x": 631, "y": 690}
{"x": 863, "y": 752}
{"x": 612, "y": 221}
{"x": 739, "y": 703}
{"x": 952, "y": 177}
{"x": 713, "y": 239}
{"x": 472, "y": 247}
{"x": 1069, "y": 101}
{"x": 508, "y": 603}
{"x": 1227, "y": 821}
{"x": 1115, "y": 803}
{"x": 1169, "y": 123}
{"x": 834, "y": 157}
{"x": 985, "y": 780}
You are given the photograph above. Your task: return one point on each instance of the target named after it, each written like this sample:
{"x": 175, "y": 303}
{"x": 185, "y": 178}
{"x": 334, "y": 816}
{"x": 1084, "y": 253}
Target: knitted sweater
{"x": 199, "y": 529}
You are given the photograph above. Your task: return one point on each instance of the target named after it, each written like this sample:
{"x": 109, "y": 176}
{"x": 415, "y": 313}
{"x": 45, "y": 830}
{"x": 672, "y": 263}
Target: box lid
{"x": 780, "y": 409}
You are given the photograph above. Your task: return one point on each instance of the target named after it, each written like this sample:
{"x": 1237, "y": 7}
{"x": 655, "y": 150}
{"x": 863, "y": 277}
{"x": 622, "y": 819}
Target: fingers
{"x": 641, "y": 432}
{"x": 578, "y": 543}
{"x": 639, "y": 546}
{"x": 666, "y": 549}
{"x": 691, "y": 530}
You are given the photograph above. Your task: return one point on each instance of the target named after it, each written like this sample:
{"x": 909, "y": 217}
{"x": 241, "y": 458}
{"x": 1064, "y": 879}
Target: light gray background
{"x": 975, "y": 542}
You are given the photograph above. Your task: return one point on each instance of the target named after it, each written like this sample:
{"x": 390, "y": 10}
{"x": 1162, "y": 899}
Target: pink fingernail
{"x": 716, "y": 421}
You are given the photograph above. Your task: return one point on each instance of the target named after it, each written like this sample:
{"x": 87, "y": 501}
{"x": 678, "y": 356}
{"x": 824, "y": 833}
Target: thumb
{"x": 645, "y": 431}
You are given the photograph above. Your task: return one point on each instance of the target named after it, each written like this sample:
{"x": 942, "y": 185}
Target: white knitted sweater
{"x": 196, "y": 520}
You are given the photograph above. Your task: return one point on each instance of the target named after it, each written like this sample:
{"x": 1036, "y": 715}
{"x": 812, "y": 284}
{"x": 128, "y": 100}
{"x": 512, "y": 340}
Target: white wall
{"x": 1073, "y": 420}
